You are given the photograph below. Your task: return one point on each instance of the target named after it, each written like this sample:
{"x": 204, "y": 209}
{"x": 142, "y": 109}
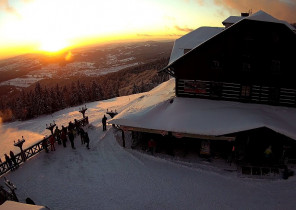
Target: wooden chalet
{"x": 251, "y": 60}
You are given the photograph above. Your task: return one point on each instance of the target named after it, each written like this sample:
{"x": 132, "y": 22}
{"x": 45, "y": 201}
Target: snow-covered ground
{"x": 35, "y": 129}
{"x": 110, "y": 177}
{"x": 21, "y": 82}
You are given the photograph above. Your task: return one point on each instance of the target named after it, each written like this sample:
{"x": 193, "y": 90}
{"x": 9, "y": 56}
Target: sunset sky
{"x": 50, "y": 25}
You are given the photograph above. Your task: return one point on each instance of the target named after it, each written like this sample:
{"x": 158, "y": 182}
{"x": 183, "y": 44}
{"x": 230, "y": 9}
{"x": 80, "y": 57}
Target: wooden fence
{"x": 33, "y": 150}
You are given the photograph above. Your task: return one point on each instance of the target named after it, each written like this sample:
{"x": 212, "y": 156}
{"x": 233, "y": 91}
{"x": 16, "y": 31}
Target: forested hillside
{"x": 49, "y": 95}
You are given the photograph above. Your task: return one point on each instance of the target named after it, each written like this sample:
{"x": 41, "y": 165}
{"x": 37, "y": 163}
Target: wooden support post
{"x": 123, "y": 139}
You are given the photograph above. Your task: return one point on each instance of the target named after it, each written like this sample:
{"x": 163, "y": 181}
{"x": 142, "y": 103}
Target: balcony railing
{"x": 33, "y": 150}
{"x": 236, "y": 92}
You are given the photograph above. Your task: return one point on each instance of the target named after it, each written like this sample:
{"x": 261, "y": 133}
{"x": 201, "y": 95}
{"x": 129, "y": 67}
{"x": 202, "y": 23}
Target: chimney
{"x": 244, "y": 14}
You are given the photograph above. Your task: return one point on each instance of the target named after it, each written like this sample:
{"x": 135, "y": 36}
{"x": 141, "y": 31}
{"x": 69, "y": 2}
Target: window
{"x": 197, "y": 87}
{"x": 246, "y": 67}
{"x": 216, "y": 64}
{"x": 248, "y": 36}
{"x": 245, "y": 91}
{"x": 275, "y": 66}
{"x": 248, "y": 45}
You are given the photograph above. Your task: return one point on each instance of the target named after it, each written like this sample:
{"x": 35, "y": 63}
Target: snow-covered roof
{"x": 263, "y": 16}
{"x": 197, "y": 37}
{"x": 156, "y": 110}
{"x": 232, "y": 19}
{"x": 12, "y": 205}
{"x": 192, "y": 39}
{"x": 258, "y": 16}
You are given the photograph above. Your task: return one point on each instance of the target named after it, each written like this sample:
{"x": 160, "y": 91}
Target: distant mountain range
{"x": 25, "y": 70}
{"x": 97, "y": 73}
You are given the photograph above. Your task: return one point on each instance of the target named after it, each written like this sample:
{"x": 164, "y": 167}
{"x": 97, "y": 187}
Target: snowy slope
{"x": 110, "y": 177}
{"x": 35, "y": 129}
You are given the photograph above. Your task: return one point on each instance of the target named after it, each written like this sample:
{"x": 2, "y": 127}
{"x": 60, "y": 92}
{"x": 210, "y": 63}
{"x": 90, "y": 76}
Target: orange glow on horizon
{"x": 44, "y": 27}
{"x": 29, "y": 26}
{"x": 68, "y": 56}
{"x": 53, "y": 45}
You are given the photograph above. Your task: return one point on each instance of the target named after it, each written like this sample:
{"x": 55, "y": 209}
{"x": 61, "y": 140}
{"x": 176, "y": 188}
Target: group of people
{"x": 62, "y": 135}
{"x": 11, "y": 161}
{"x": 70, "y": 133}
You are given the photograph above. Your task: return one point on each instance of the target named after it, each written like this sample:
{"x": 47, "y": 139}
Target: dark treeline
{"x": 46, "y": 100}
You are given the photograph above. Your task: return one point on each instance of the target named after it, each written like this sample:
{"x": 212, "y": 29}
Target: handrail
{"x": 33, "y": 150}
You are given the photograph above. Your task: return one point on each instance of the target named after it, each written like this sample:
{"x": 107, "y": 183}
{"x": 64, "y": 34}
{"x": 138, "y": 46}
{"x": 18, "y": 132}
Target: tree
{"x": 66, "y": 96}
{"x": 73, "y": 95}
{"x": 135, "y": 89}
{"x": 96, "y": 91}
{"x": 41, "y": 100}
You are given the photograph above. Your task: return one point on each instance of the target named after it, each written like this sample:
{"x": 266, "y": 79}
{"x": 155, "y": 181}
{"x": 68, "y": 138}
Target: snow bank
{"x": 11, "y": 205}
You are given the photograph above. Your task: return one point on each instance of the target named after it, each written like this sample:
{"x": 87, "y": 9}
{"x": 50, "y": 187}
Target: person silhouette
{"x": 104, "y": 121}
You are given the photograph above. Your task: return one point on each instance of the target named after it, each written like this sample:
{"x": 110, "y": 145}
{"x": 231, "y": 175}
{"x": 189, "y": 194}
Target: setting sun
{"x": 52, "y": 45}
{"x": 49, "y": 26}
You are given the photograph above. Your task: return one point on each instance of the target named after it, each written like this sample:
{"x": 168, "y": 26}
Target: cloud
{"x": 146, "y": 35}
{"x": 5, "y": 6}
{"x": 183, "y": 29}
{"x": 280, "y": 9}
{"x": 160, "y": 35}
{"x": 174, "y": 35}
{"x": 200, "y": 2}
{"x": 169, "y": 18}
